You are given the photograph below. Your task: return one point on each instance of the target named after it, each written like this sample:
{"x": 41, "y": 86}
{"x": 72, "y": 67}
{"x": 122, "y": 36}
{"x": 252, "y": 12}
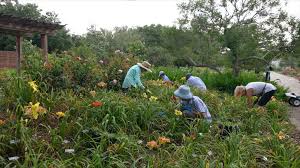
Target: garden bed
{"x": 82, "y": 122}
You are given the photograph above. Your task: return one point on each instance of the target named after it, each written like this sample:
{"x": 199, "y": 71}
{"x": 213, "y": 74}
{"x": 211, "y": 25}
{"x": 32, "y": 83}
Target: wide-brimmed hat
{"x": 161, "y": 73}
{"x": 183, "y": 92}
{"x": 145, "y": 65}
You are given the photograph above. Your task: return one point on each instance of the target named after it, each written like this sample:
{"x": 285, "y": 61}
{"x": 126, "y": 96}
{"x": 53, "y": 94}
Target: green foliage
{"x": 222, "y": 82}
{"x": 115, "y": 134}
{"x": 241, "y": 26}
{"x": 99, "y": 41}
{"x": 137, "y": 48}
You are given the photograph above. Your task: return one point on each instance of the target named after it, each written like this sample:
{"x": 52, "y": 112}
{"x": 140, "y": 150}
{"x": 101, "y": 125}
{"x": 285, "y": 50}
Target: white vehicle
{"x": 294, "y": 100}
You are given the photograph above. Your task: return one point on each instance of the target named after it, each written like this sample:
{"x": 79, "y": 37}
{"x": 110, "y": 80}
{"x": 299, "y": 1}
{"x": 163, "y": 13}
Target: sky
{"x": 78, "y": 15}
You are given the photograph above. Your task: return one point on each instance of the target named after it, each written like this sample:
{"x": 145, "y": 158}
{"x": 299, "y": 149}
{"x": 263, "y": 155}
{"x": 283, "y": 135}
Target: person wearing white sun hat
{"x": 164, "y": 77}
{"x": 133, "y": 76}
{"x": 196, "y": 82}
{"x": 192, "y": 106}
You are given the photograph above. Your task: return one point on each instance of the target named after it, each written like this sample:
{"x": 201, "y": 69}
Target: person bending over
{"x": 264, "y": 92}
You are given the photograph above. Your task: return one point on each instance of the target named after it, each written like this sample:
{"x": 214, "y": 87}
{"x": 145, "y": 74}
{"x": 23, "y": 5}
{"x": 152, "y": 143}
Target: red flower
{"x": 173, "y": 98}
{"x": 96, "y": 104}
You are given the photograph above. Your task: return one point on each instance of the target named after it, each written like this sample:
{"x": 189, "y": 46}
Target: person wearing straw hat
{"x": 192, "y": 106}
{"x": 264, "y": 91}
{"x": 133, "y": 76}
{"x": 195, "y": 82}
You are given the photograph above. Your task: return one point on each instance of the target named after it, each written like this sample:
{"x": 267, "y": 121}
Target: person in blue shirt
{"x": 192, "y": 106}
{"x": 164, "y": 77}
{"x": 133, "y": 76}
{"x": 195, "y": 82}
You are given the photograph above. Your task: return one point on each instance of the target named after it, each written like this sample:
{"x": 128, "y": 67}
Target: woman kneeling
{"x": 192, "y": 106}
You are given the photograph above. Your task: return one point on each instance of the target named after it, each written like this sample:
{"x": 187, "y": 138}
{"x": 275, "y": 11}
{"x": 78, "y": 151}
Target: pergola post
{"x": 44, "y": 45}
{"x": 19, "y": 52}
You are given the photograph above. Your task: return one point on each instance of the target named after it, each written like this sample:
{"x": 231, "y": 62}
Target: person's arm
{"x": 201, "y": 108}
{"x": 137, "y": 77}
{"x": 249, "y": 94}
{"x": 130, "y": 78}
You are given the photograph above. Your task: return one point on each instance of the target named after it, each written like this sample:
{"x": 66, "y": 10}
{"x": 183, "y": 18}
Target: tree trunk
{"x": 235, "y": 66}
{"x": 236, "y": 70}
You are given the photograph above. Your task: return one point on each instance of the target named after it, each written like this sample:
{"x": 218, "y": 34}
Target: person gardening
{"x": 164, "y": 77}
{"x": 195, "y": 82}
{"x": 133, "y": 76}
{"x": 263, "y": 90}
{"x": 192, "y": 106}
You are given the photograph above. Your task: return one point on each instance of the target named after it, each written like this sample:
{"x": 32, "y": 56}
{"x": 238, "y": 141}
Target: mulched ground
{"x": 296, "y": 136}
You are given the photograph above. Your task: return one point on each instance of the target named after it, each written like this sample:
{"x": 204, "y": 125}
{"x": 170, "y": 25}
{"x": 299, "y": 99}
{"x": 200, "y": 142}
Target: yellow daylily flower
{"x": 178, "y": 112}
{"x": 148, "y": 91}
{"x": 33, "y": 85}
{"x": 153, "y": 98}
{"x": 145, "y": 95}
{"x": 34, "y": 110}
{"x": 183, "y": 78}
{"x": 60, "y": 114}
{"x": 257, "y": 141}
{"x": 281, "y": 135}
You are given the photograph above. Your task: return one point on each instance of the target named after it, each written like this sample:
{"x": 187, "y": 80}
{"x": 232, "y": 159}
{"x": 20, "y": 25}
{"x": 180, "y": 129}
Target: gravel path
{"x": 294, "y": 86}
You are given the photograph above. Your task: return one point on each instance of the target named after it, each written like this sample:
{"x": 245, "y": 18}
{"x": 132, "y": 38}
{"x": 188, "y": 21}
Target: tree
{"x": 224, "y": 17}
{"x": 99, "y": 41}
{"x": 293, "y": 58}
{"x": 9, "y": 1}
{"x": 123, "y": 37}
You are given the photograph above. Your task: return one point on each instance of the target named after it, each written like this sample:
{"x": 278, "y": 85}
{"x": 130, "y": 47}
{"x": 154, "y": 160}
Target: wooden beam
{"x": 19, "y": 52}
{"x": 44, "y": 45}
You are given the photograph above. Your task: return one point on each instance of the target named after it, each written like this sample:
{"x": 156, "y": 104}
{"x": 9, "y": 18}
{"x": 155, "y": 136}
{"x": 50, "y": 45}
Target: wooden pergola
{"x": 20, "y": 27}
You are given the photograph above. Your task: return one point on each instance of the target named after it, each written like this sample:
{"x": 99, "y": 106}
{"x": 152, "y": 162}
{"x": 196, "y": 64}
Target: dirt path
{"x": 294, "y": 86}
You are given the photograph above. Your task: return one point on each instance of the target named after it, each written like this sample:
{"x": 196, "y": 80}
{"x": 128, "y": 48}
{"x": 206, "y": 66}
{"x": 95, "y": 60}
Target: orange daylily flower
{"x": 163, "y": 140}
{"x": 173, "y": 98}
{"x": 193, "y": 135}
{"x": 152, "y": 145}
{"x": 2, "y": 122}
{"x": 96, "y": 104}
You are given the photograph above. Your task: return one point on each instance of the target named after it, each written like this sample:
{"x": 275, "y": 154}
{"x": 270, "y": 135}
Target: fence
{"x": 8, "y": 59}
